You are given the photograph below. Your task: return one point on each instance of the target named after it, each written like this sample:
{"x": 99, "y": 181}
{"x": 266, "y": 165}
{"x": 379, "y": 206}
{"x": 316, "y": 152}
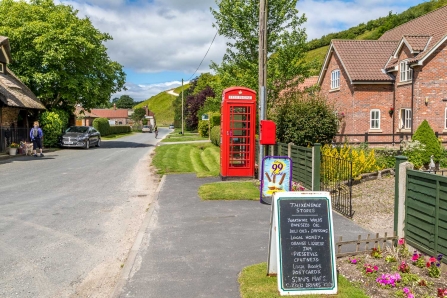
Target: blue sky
{"x": 159, "y": 42}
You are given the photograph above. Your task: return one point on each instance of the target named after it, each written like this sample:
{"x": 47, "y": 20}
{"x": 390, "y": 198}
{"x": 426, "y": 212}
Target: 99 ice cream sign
{"x": 276, "y": 176}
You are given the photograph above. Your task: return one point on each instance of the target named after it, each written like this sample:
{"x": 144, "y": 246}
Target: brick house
{"x": 387, "y": 87}
{"x": 117, "y": 116}
{"x": 19, "y": 107}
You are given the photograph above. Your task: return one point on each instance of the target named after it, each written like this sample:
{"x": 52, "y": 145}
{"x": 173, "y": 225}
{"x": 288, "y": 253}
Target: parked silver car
{"x": 80, "y": 136}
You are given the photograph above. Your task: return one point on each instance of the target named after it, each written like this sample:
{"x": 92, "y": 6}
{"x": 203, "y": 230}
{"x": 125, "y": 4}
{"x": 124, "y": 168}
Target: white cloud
{"x": 144, "y": 91}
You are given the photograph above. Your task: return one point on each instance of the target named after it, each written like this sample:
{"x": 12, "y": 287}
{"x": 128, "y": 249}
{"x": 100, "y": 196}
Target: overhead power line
{"x": 203, "y": 57}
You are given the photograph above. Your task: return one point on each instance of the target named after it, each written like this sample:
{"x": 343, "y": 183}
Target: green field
{"x": 201, "y": 158}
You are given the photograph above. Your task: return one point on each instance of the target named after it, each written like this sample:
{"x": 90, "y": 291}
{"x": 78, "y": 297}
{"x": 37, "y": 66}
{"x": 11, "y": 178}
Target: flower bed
{"x": 396, "y": 272}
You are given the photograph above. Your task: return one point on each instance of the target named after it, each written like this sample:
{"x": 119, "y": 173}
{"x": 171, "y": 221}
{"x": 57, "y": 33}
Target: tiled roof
{"x": 110, "y": 113}
{"x": 81, "y": 112}
{"x": 432, "y": 24}
{"x": 417, "y": 42}
{"x": 363, "y": 60}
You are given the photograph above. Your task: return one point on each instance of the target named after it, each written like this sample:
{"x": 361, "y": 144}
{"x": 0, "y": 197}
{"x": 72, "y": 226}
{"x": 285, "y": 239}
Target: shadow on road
{"x": 25, "y": 158}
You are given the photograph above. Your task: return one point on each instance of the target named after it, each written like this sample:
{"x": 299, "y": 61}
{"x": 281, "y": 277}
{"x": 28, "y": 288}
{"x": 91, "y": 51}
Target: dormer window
{"x": 405, "y": 72}
{"x": 335, "y": 79}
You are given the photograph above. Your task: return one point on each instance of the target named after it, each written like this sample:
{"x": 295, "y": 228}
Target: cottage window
{"x": 335, "y": 79}
{"x": 405, "y": 72}
{"x": 405, "y": 118}
{"x": 375, "y": 119}
{"x": 445, "y": 119}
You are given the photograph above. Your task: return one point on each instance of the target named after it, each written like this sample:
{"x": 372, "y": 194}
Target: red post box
{"x": 267, "y": 135}
{"x": 238, "y": 125}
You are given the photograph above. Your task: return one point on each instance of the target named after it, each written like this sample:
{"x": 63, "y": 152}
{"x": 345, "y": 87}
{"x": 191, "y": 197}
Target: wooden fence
{"x": 426, "y": 212}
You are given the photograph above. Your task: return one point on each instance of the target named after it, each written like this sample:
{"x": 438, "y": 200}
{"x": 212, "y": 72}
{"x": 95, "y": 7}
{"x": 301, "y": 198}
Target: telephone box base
{"x": 236, "y": 178}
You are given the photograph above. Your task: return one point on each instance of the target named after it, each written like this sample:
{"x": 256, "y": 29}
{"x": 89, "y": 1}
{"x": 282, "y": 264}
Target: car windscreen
{"x": 81, "y": 129}
{"x": 145, "y": 126}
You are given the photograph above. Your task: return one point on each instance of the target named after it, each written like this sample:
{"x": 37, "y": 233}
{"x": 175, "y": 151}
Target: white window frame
{"x": 406, "y": 73}
{"x": 373, "y": 120}
{"x": 406, "y": 118}
{"x": 335, "y": 79}
{"x": 445, "y": 122}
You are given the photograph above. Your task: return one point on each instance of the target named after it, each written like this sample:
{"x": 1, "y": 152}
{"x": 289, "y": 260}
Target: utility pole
{"x": 182, "y": 110}
{"x": 262, "y": 60}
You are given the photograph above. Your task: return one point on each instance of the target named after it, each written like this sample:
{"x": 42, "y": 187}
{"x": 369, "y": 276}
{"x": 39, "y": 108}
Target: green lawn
{"x": 117, "y": 136}
{"x": 254, "y": 283}
{"x": 183, "y": 138}
{"x": 240, "y": 190}
{"x": 202, "y": 158}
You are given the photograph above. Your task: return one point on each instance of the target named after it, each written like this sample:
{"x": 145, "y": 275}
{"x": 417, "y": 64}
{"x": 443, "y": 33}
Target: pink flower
{"x": 432, "y": 260}
{"x": 401, "y": 241}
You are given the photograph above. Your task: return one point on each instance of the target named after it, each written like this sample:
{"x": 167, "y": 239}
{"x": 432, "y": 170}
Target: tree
{"x": 125, "y": 102}
{"x": 59, "y": 56}
{"x": 286, "y": 43}
{"x": 193, "y": 105}
{"x": 426, "y": 136}
{"x": 138, "y": 114}
{"x": 304, "y": 119}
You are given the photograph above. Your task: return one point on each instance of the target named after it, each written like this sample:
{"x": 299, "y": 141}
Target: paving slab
{"x": 195, "y": 248}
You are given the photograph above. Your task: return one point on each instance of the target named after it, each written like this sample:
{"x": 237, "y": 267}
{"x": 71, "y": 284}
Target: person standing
{"x": 156, "y": 131}
{"x": 36, "y": 135}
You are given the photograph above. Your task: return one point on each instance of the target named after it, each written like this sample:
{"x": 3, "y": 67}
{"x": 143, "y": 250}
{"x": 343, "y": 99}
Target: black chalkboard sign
{"x": 305, "y": 244}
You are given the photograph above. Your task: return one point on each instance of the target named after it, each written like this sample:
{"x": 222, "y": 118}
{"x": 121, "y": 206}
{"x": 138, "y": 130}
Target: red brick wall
{"x": 431, "y": 84}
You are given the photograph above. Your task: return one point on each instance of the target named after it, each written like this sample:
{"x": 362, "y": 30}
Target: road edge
{"x": 130, "y": 261}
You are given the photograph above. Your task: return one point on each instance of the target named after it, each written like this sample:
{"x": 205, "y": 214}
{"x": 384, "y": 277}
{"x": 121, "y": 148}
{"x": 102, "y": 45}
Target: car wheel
{"x": 87, "y": 144}
{"x": 98, "y": 144}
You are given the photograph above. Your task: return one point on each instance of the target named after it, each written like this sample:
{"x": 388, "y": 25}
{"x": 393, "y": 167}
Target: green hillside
{"x": 369, "y": 31}
{"x": 161, "y": 105}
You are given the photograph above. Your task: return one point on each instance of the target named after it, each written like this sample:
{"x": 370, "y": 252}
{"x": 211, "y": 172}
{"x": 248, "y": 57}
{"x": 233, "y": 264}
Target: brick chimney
{"x": 114, "y": 106}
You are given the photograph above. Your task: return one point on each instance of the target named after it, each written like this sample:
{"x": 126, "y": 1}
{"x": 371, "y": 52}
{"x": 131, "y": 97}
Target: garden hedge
{"x": 215, "y": 135}
{"x": 103, "y": 126}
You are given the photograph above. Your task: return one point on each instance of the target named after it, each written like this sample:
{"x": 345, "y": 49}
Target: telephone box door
{"x": 238, "y": 132}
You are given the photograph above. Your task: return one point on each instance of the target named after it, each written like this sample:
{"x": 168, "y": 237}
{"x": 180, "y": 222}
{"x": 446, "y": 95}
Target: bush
{"x": 414, "y": 150}
{"x": 203, "y": 128}
{"x": 215, "y": 135}
{"x": 304, "y": 119}
{"x": 215, "y": 119}
{"x": 120, "y": 129}
{"x": 102, "y": 125}
{"x": 363, "y": 161}
{"x": 52, "y": 127}
{"x": 386, "y": 158}
{"x": 426, "y": 136}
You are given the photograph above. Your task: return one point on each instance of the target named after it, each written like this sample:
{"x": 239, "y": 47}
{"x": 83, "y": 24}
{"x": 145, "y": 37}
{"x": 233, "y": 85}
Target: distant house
{"x": 115, "y": 116}
{"x": 386, "y": 88}
{"x": 19, "y": 107}
{"x": 150, "y": 116}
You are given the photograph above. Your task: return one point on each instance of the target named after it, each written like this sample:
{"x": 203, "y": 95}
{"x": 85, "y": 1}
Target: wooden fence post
{"x": 316, "y": 160}
{"x": 399, "y": 159}
{"x": 289, "y": 149}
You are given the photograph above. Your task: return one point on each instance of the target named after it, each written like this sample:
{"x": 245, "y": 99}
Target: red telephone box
{"x": 237, "y": 129}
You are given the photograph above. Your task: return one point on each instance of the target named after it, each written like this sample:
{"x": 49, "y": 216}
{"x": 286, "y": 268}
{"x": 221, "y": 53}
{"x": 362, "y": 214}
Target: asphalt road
{"x": 68, "y": 220}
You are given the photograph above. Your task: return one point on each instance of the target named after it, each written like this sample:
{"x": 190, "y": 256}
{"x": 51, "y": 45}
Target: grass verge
{"x": 245, "y": 190}
{"x": 117, "y": 136}
{"x": 185, "y": 138}
{"x": 255, "y": 284}
{"x": 201, "y": 158}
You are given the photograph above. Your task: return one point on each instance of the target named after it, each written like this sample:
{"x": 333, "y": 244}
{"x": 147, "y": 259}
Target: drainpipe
{"x": 394, "y": 108}
{"x": 412, "y": 101}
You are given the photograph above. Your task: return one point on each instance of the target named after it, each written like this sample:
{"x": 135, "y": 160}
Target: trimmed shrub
{"x": 52, "y": 127}
{"x": 203, "y": 128}
{"x": 102, "y": 125}
{"x": 215, "y": 135}
{"x": 304, "y": 119}
{"x": 426, "y": 136}
{"x": 120, "y": 129}
{"x": 215, "y": 119}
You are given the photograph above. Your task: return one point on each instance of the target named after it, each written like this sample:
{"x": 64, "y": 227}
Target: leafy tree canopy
{"x": 124, "y": 102}
{"x": 138, "y": 114}
{"x": 59, "y": 56}
{"x": 286, "y": 44}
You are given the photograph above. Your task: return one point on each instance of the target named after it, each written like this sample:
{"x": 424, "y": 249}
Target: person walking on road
{"x": 36, "y": 135}
{"x": 156, "y": 131}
